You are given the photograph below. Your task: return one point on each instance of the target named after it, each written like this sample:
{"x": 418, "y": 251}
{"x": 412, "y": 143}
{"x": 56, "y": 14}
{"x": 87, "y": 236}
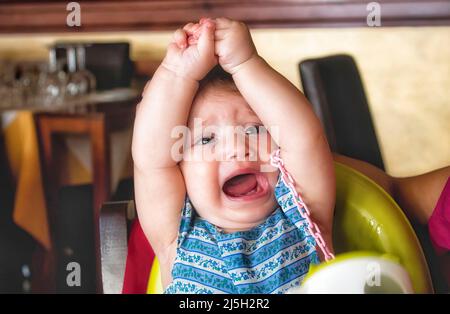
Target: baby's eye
{"x": 205, "y": 140}
{"x": 255, "y": 129}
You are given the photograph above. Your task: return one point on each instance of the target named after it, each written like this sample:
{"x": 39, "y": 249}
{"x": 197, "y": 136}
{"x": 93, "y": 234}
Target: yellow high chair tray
{"x": 366, "y": 219}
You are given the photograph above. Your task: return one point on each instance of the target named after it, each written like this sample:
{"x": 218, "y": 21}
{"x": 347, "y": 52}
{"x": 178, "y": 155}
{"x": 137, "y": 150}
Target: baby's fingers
{"x": 180, "y": 38}
{"x": 191, "y": 28}
{"x": 206, "y": 39}
{"x": 220, "y": 34}
{"x": 192, "y": 40}
{"x": 223, "y": 23}
{"x": 192, "y": 31}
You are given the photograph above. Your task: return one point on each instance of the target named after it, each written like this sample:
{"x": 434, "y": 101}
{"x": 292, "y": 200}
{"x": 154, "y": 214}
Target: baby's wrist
{"x": 166, "y": 77}
{"x": 168, "y": 72}
{"x": 254, "y": 60}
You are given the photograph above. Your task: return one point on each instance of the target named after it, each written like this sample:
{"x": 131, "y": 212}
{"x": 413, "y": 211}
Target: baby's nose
{"x": 239, "y": 149}
{"x": 236, "y": 154}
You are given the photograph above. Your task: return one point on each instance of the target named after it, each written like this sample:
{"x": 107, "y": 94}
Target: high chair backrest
{"x": 334, "y": 87}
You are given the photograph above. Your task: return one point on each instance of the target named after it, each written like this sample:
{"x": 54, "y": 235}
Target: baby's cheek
{"x": 201, "y": 176}
{"x": 203, "y": 193}
{"x": 199, "y": 154}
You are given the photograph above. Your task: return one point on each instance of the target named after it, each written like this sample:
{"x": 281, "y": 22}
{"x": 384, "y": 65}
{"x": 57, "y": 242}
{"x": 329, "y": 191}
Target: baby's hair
{"x": 217, "y": 77}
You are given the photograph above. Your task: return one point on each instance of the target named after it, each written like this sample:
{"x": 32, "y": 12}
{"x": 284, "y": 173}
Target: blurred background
{"x": 68, "y": 93}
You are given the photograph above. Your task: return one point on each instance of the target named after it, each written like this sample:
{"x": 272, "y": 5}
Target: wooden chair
{"x": 114, "y": 227}
{"x": 98, "y": 126}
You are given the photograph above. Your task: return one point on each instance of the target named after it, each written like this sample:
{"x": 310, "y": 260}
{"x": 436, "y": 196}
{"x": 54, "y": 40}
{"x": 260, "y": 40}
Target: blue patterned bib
{"x": 270, "y": 258}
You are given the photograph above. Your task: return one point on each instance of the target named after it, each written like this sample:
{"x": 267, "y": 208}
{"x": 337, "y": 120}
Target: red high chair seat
{"x": 139, "y": 261}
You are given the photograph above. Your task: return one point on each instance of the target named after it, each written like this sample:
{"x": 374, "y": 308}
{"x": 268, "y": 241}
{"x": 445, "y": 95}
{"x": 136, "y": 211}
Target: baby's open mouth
{"x": 246, "y": 186}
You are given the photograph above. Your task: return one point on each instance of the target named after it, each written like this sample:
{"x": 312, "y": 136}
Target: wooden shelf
{"x": 110, "y": 15}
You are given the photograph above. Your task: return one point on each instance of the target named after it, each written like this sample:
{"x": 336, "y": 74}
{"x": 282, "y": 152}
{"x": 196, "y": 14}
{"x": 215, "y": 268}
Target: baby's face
{"x": 229, "y": 182}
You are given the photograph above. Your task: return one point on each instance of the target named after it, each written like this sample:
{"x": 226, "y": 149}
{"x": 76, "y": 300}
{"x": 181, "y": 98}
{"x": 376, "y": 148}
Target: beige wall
{"x": 406, "y": 72}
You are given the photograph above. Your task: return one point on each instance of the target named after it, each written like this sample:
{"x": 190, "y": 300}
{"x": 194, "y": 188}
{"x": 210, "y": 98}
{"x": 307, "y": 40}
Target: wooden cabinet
{"x": 112, "y": 15}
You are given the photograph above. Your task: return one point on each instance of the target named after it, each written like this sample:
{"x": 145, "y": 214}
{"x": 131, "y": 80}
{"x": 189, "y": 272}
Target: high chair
{"x": 366, "y": 219}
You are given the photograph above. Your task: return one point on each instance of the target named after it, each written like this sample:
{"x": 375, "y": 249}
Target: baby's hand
{"x": 191, "y": 53}
{"x": 234, "y": 45}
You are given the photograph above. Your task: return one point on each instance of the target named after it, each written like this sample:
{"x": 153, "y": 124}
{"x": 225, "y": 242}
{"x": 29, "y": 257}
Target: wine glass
{"x": 52, "y": 83}
{"x": 81, "y": 63}
{"x": 77, "y": 83}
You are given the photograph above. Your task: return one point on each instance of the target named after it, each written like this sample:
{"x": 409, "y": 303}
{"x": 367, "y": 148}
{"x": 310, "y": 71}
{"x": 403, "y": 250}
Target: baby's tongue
{"x": 240, "y": 185}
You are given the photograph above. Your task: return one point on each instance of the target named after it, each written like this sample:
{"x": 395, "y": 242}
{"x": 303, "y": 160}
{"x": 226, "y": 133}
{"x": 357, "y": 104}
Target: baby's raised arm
{"x": 278, "y": 103}
{"x": 167, "y": 98}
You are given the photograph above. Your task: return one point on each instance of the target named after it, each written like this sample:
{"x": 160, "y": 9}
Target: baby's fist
{"x": 234, "y": 45}
{"x": 191, "y": 53}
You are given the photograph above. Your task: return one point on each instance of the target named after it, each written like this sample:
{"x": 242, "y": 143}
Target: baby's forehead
{"x": 220, "y": 103}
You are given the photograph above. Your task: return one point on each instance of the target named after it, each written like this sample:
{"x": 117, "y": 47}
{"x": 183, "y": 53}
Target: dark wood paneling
{"x": 108, "y": 15}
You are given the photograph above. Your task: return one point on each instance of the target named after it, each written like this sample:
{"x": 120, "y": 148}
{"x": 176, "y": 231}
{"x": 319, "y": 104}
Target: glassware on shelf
{"x": 75, "y": 82}
{"x": 15, "y": 87}
{"x": 52, "y": 84}
{"x": 47, "y": 85}
{"x": 81, "y": 63}
{"x": 28, "y": 84}
{"x": 7, "y": 78}
{"x": 78, "y": 84}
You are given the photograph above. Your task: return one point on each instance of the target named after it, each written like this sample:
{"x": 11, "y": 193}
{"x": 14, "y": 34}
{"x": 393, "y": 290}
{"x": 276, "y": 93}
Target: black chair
{"x": 334, "y": 87}
{"x": 109, "y": 62}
